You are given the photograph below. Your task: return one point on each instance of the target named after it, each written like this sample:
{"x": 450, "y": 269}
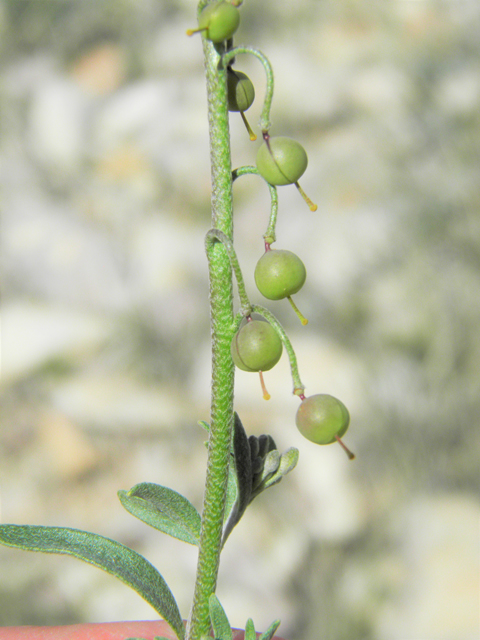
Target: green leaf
{"x": 250, "y": 630}
{"x": 270, "y": 632}
{"x": 232, "y": 491}
{"x": 284, "y": 465}
{"x": 288, "y": 461}
{"x": 163, "y": 509}
{"x": 256, "y": 466}
{"x": 111, "y": 556}
{"x": 272, "y": 462}
{"x": 261, "y": 447}
{"x": 243, "y": 464}
{"x": 266, "y": 443}
{"x": 239, "y": 487}
{"x": 220, "y": 624}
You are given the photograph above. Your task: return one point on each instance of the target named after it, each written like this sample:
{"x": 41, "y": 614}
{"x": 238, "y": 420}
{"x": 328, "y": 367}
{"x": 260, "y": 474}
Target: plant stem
{"x": 222, "y": 323}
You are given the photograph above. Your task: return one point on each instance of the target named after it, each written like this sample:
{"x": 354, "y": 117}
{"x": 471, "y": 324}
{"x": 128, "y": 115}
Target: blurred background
{"x": 105, "y": 328}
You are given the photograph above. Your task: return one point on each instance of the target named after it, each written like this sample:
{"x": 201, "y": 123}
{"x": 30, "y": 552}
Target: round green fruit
{"x": 281, "y": 161}
{"x": 279, "y": 273}
{"x": 220, "y": 20}
{"x": 241, "y": 92}
{"x": 321, "y": 418}
{"x": 256, "y": 347}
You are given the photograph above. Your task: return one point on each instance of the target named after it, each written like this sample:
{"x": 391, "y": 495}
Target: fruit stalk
{"x": 222, "y": 323}
{"x": 216, "y": 235}
{"x": 267, "y": 102}
{"x": 269, "y": 236}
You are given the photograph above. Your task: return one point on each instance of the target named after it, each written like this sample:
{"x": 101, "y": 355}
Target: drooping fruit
{"x": 279, "y": 273}
{"x": 240, "y": 94}
{"x": 323, "y": 419}
{"x": 282, "y": 161}
{"x": 219, "y": 20}
{"x": 256, "y": 346}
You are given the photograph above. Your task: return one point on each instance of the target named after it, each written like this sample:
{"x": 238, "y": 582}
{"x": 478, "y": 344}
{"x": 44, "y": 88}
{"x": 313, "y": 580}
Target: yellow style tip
{"x": 300, "y": 315}
{"x": 266, "y": 395}
{"x": 311, "y": 205}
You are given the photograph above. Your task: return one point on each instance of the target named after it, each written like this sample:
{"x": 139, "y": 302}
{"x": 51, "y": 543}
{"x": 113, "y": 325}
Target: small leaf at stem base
{"x": 269, "y": 633}
{"x": 220, "y": 624}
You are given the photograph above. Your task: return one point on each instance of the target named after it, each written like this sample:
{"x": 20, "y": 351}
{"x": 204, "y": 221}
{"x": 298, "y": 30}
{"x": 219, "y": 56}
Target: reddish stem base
{"x": 99, "y": 631}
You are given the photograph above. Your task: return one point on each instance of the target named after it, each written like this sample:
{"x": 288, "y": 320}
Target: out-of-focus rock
{"x": 438, "y": 596}
{"x": 35, "y": 334}
{"x": 69, "y": 449}
{"x": 58, "y": 124}
{"x": 118, "y": 403}
{"x": 101, "y": 69}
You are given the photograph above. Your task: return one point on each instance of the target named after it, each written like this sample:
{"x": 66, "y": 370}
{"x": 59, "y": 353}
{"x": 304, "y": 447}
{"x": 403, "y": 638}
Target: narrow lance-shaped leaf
{"x": 163, "y": 509}
{"x": 271, "y": 464}
{"x": 240, "y": 478}
{"x": 284, "y": 464}
{"x": 204, "y": 425}
{"x": 270, "y": 632}
{"x": 232, "y": 491}
{"x": 288, "y": 461}
{"x": 256, "y": 466}
{"x": 243, "y": 464}
{"x": 220, "y": 624}
{"x": 250, "y": 630}
{"x": 264, "y": 449}
{"x": 111, "y": 556}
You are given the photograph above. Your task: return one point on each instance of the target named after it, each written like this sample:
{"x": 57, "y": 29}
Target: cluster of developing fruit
{"x": 258, "y": 344}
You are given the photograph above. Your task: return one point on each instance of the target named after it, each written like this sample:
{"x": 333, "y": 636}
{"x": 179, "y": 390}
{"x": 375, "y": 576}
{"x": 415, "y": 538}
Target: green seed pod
{"x": 256, "y": 347}
{"x": 279, "y": 273}
{"x": 321, "y": 418}
{"x": 220, "y": 20}
{"x": 281, "y": 161}
{"x": 241, "y": 92}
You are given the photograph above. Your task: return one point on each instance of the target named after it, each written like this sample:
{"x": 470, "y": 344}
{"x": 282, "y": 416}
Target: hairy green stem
{"x": 221, "y": 312}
